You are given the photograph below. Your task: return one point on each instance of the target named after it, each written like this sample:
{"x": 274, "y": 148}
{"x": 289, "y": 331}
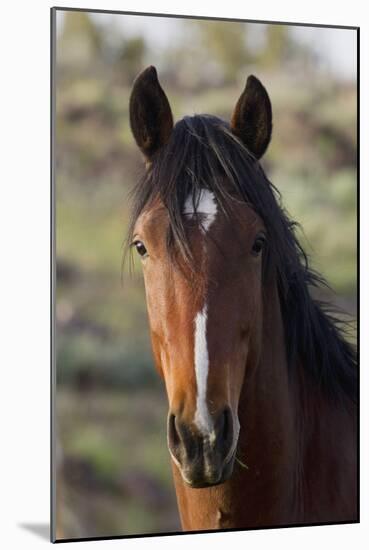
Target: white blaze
{"x": 206, "y": 206}
{"x": 202, "y": 416}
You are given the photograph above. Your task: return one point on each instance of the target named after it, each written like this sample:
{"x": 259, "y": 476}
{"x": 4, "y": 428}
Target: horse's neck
{"x": 267, "y": 418}
{"x": 294, "y": 439}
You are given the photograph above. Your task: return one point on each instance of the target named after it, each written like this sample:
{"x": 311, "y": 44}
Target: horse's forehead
{"x": 203, "y": 207}
{"x": 205, "y": 203}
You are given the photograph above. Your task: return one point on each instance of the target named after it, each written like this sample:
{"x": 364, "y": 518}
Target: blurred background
{"x": 114, "y": 477}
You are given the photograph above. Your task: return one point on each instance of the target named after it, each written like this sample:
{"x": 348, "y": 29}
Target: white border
{"x": 25, "y": 267}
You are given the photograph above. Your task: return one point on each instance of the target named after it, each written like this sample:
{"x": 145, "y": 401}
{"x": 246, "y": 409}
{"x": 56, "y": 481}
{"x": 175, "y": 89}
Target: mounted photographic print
{"x": 204, "y": 273}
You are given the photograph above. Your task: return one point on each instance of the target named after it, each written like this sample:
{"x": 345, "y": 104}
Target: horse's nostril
{"x": 173, "y": 435}
{"x": 183, "y": 443}
{"x": 225, "y": 428}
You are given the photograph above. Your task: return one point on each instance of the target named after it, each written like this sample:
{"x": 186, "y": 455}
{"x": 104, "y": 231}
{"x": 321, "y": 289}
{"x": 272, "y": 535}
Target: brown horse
{"x": 261, "y": 384}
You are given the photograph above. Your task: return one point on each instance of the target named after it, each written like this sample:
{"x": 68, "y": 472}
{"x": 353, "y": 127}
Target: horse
{"x": 260, "y": 378}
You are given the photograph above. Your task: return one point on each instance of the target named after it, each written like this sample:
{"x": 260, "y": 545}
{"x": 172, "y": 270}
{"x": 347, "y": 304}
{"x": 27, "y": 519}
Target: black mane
{"x": 201, "y": 153}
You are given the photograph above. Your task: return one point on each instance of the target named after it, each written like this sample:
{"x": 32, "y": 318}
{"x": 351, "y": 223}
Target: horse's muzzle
{"x": 203, "y": 459}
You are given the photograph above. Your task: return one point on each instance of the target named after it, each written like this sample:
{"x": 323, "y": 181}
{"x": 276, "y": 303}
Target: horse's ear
{"x": 252, "y": 117}
{"x": 150, "y": 114}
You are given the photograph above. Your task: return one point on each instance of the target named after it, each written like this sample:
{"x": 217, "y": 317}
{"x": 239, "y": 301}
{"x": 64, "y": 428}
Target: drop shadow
{"x": 42, "y": 530}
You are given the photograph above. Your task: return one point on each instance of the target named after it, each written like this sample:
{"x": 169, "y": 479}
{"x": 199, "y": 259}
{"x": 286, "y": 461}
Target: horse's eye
{"x": 141, "y": 249}
{"x": 258, "y": 245}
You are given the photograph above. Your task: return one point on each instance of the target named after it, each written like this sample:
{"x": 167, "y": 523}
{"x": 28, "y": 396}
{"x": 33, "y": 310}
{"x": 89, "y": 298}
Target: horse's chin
{"x": 202, "y": 482}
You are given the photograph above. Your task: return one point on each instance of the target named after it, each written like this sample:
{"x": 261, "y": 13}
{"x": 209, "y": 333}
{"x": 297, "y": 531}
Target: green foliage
{"x": 130, "y": 58}
{"x": 83, "y": 358}
{"x": 321, "y": 208}
{"x": 115, "y": 483}
{"x": 276, "y": 47}
{"x": 227, "y": 44}
{"x": 80, "y": 42}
